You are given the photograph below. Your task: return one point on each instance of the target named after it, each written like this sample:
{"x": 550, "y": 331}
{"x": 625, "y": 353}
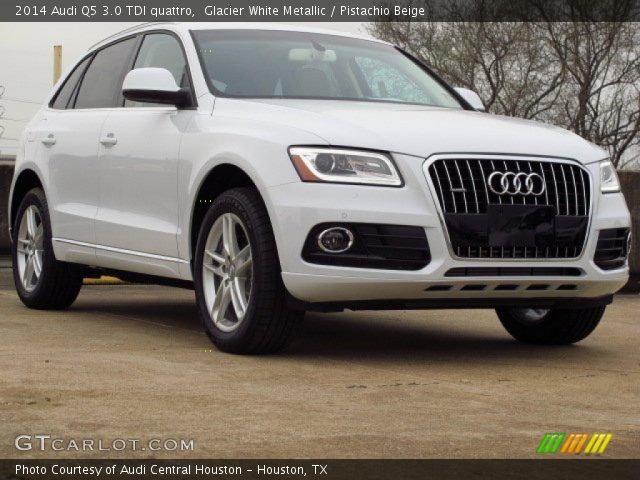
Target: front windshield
{"x": 283, "y": 64}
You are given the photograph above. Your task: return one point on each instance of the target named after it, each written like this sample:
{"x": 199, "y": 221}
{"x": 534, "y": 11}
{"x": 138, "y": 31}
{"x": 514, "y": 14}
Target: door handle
{"x": 109, "y": 140}
{"x": 49, "y": 140}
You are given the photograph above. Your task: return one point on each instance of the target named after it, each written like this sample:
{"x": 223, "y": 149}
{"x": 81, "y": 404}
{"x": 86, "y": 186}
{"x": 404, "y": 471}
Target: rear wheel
{"x": 41, "y": 281}
{"x": 550, "y": 326}
{"x": 239, "y": 288}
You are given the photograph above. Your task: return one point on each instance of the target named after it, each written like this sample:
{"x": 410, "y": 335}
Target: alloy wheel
{"x": 30, "y": 248}
{"x": 227, "y": 272}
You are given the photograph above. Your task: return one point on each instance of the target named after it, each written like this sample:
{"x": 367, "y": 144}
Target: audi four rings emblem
{"x": 512, "y": 183}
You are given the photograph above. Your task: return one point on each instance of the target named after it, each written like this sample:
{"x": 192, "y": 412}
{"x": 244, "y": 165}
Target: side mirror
{"x": 471, "y": 98}
{"x": 154, "y": 85}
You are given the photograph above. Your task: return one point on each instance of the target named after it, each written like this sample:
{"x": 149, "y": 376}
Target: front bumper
{"x": 297, "y": 207}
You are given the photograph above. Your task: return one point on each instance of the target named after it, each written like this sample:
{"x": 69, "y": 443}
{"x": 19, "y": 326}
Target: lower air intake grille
{"x": 612, "y": 248}
{"x": 513, "y": 272}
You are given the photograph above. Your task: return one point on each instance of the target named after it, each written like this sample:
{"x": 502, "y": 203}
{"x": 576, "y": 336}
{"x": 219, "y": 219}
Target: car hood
{"x": 413, "y": 130}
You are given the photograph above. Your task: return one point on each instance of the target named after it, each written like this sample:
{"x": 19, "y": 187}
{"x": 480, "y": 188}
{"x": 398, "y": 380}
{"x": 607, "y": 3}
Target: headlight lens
{"x": 344, "y": 166}
{"x": 609, "y": 182}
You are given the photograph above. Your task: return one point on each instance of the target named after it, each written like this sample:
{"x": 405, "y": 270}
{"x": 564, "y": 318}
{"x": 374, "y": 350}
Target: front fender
{"x": 261, "y": 153}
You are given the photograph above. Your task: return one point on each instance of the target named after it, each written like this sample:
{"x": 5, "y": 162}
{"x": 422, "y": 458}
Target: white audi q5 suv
{"x": 278, "y": 170}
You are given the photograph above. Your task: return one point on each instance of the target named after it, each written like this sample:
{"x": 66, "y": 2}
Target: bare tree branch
{"x": 580, "y": 74}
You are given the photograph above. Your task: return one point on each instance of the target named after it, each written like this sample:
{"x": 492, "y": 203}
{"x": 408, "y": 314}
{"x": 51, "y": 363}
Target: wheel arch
{"x": 26, "y": 180}
{"x": 219, "y": 179}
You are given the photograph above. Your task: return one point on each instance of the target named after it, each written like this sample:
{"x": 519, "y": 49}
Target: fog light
{"x": 335, "y": 240}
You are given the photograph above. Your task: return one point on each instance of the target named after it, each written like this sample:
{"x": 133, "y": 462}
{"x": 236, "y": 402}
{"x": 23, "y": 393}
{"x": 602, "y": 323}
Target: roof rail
{"x": 129, "y": 30}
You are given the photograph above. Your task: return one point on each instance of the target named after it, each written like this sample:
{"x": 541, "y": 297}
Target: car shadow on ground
{"x": 359, "y": 336}
{"x": 351, "y": 337}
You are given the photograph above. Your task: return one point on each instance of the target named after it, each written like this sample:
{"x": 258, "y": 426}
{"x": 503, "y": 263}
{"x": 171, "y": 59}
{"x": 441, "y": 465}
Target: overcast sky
{"x": 26, "y": 64}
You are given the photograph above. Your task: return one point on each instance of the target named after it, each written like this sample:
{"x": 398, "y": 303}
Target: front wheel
{"x": 239, "y": 288}
{"x": 550, "y": 326}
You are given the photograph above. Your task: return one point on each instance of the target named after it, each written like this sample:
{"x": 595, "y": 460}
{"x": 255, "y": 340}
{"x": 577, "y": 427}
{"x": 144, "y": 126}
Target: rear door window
{"x": 103, "y": 80}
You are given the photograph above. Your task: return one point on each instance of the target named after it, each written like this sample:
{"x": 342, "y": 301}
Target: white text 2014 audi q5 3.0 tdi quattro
{"x": 279, "y": 170}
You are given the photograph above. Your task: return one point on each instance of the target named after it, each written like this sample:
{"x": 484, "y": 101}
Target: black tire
{"x": 59, "y": 282}
{"x": 557, "y": 327}
{"x": 268, "y": 323}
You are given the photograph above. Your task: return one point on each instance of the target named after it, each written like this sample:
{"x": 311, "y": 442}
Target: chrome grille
{"x": 461, "y": 187}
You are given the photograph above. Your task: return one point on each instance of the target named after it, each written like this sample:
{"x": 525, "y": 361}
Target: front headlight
{"x": 609, "y": 182}
{"x": 344, "y": 166}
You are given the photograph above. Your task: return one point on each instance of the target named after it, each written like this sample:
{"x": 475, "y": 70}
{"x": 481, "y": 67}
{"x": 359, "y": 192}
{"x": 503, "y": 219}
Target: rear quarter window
{"x": 65, "y": 93}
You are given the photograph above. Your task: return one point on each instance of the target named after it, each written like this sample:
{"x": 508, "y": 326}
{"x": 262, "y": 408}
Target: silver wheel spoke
{"x": 215, "y": 256}
{"x": 30, "y": 247}
{"x": 220, "y": 303}
{"x": 218, "y": 262}
{"x": 238, "y": 299}
{"x": 37, "y": 264}
{"x": 244, "y": 267}
{"x": 229, "y": 239}
{"x": 28, "y": 272}
{"x": 213, "y": 269}
{"x": 39, "y": 237}
{"x": 32, "y": 227}
{"x": 531, "y": 315}
{"x": 243, "y": 261}
{"x": 23, "y": 246}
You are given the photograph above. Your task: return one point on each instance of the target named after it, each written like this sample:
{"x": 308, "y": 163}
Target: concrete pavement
{"x": 132, "y": 362}
{"x": 5, "y": 270}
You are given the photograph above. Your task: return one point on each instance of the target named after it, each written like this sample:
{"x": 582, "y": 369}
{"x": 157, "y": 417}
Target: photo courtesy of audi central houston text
{"x": 279, "y": 173}
{"x": 353, "y": 240}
